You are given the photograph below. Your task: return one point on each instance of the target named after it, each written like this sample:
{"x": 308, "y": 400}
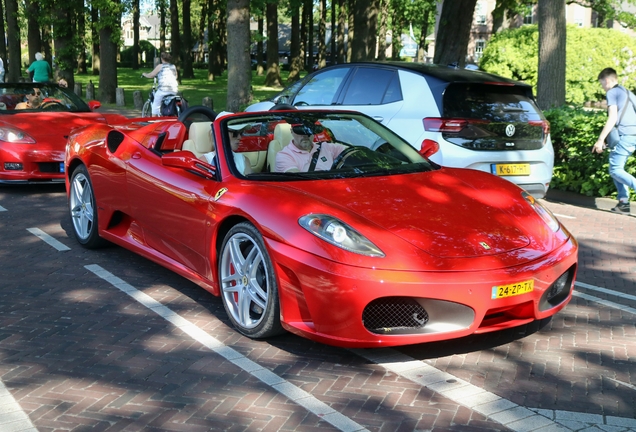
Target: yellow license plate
{"x": 511, "y": 169}
{"x": 514, "y": 289}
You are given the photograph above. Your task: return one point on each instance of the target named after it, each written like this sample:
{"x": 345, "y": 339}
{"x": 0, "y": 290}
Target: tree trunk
{"x": 260, "y": 70}
{"x": 188, "y": 71}
{"x": 238, "y": 55}
{"x": 96, "y": 64}
{"x": 309, "y": 10}
{"x": 303, "y": 35}
{"x": 14, "y": 58}
{"x": 451, "y": 45}
{"x": 421, "y": 49}
{"x": 213, "y": 35}
{"x": 322, "y": 34}
{"x": 342, "y": 19}
{"x": 295, "y": 60}
{"x": 34, "y": 41}
{"x": 81, "y": 30}
{"x": 334, "y": 33}
{"x": 498, "y": 16}
{"x": 351, "y": 21}
{"x": 551, "y": 74}
{"x": 162, "y": 26}
{"x": 272, "y": 79}
{"x": 175, "y": 38}
{"x": 135, "y": 47}
{"x": 359, "y": 47}
{"x": 384, "y": 8}
{"x": 372, "y": 29}
{"x": 201, "y": 41}
{"x": 3, "y": 43}
{"x": 108, "y": 58}
{"x": 64, "y": 47}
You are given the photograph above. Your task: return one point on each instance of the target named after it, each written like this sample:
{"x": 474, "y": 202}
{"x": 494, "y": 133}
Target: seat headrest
{"x": 200, "y": 133}
{"x": 282, "y": 133}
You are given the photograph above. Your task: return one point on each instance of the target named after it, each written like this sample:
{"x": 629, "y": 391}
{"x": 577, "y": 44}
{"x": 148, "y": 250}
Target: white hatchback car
{"x": 457, "y": 118}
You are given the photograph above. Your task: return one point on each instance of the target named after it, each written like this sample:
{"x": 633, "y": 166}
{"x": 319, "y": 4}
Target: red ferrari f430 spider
{"x": 325, "y": 224}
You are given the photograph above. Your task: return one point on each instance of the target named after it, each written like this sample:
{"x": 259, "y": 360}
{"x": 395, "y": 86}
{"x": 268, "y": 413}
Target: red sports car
{"x": 35, "y": 122}
{"x": 370, "y": 245}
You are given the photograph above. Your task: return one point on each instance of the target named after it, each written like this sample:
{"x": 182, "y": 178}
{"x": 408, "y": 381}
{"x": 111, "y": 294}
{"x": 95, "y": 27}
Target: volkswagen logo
{"x": 510, "y": 130}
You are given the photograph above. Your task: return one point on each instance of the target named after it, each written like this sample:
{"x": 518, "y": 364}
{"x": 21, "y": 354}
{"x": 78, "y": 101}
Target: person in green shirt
{"x": 40, "y": 68}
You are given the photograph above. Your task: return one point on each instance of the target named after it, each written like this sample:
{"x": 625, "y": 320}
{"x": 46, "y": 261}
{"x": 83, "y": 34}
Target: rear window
{"x": 497, "y": 117}
{"x": 496, "y": 103}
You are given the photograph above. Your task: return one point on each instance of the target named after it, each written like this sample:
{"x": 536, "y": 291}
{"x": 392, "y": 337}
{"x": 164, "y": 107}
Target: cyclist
{"x": 166, "y": 74}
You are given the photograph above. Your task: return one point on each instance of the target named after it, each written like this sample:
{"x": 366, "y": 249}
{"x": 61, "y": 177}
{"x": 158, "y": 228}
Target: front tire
{"x": 83, "y": 210}
{"x": 146, "y": 111}
{"x": 248, "y": 284}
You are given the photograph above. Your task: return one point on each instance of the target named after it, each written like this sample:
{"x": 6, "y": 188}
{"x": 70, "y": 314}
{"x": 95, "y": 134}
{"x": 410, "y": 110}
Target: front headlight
{"x": 339, "y": 234}
{"x": 545, "y": 214}
{"x": 15, "y": 136}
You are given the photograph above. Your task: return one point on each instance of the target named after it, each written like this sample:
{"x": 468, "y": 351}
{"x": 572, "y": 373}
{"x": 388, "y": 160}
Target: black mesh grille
{"x": 394, "y": 315}
{"x": 50, "y": 167}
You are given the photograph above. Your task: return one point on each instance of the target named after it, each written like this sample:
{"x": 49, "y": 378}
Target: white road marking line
{"x": 292, "y": 392}
{"x": 48, "y": 239}
{"x": 491, "y": 406}
{"x": 628, "y": 385}
{"x": 606, "y": 291}
{"x": 564, "y": 216}
{"x": 605, "y": 302}
{"x": 2, "y": 209}
{"x": 12, "y": 417}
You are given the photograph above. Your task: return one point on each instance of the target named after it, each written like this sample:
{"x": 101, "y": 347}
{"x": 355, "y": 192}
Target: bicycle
{"x": 179, "y": 106}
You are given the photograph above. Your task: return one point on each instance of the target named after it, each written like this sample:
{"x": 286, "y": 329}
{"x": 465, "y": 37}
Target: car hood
{"x": 440, "y": 212}
{"x": 55, "y": 127}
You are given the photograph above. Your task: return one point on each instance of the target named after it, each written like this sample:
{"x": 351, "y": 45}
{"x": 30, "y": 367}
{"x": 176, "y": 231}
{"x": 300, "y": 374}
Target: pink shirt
{"x": 292, "y": 157}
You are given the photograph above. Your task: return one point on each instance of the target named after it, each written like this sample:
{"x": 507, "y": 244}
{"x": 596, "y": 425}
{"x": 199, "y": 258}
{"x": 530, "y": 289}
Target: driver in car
{"x": 302, "y": 154}
{"x": 33, "y": 100}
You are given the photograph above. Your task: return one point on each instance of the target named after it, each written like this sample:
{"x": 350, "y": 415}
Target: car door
{"x": 172, "y": 207}
{"x": 374, "y": 91}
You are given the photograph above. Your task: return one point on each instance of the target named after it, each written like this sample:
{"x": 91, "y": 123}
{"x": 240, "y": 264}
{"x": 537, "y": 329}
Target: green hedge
{"x": 513, "y": 53}
{"x": 574, "y": 131}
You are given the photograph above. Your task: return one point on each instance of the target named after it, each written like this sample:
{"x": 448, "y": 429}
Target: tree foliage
{"x": 514, "y": 54}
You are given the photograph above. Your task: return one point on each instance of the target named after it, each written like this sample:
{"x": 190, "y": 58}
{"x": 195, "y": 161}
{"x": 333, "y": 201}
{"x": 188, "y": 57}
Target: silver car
{"x": 457, "y": 118}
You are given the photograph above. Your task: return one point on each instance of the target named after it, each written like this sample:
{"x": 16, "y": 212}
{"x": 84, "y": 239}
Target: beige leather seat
{"x": 282, "y": 137}
{"x": 199, "y": 139}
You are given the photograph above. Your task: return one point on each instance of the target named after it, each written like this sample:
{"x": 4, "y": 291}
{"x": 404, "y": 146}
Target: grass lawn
{"x": 194, "y": 89}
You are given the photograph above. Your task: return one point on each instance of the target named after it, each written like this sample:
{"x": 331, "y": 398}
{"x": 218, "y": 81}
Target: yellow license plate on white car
{"x": 503, "y": 291}
{"x": 511, "y": 169}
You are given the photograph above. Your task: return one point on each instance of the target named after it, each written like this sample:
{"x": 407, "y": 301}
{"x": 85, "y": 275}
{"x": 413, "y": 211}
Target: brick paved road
{"x": 106, "y": 340}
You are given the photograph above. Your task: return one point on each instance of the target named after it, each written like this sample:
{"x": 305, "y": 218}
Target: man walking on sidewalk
{"x": 618, "y": 99}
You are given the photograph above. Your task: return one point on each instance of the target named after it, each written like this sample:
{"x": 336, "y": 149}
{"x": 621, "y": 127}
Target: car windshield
{"x": 300, "y": 145}
{"x": 38, "y": 97}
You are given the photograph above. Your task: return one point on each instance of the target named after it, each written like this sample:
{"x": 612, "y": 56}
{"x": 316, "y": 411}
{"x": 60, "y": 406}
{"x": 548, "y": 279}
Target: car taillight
{"x": 544, "y": 125}
{"x": 449, "y": 125}
{"x": 429, "y": 148}
{"x": 444, "y": 125}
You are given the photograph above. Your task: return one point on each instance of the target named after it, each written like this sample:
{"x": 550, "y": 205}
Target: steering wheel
{"x": 341, "y": 160}
{"x": 301, "y": 103}
{"x": 51, "y": 103}
{"x": 196, "y": 113}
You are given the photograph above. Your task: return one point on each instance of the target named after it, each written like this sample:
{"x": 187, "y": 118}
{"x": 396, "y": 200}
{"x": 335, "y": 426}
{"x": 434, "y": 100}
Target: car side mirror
{"x": 282, "y": 100}
{"x": 188, "y": 161}
{"x": 93, "y": 105}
